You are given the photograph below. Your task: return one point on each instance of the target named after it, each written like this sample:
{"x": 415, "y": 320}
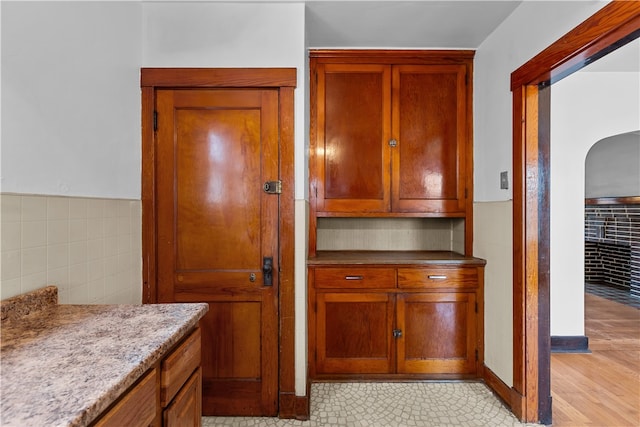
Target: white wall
{"x": 520, "y": 37}
{"x": 71, "y": 127}
{"x": 71, "y": 98}
{"x": 181, "y": 34}
{"x": 585, "y": 108}
{"x": 612, "y": 167}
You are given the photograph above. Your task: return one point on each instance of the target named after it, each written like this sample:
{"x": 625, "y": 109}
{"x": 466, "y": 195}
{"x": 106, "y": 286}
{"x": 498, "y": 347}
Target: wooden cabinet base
{"x": 420, "y": 322}
{"x": 137, "y": 408}
{"x": 186, "y": 408}
{"x": 168, "y": 395}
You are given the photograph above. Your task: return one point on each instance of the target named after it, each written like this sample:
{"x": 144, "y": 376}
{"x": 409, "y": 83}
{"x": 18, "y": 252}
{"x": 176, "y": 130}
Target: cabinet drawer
{"x": 178, "y": 367}
{"x": 136, "y": 408}
{"x": 438, "y": 277}
{"x": 186, "y": 408}
{"x": 358, "y": 277}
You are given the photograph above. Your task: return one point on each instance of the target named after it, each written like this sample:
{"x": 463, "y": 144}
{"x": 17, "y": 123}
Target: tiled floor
{"x": 418, "y": 404}
{"x": 613, "y": 294}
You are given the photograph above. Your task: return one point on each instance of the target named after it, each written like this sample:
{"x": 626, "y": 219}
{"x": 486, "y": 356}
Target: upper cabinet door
{"x": 429, "y": 125}
{"x": 391, "y": 134}
{"x": 353, "y": 130}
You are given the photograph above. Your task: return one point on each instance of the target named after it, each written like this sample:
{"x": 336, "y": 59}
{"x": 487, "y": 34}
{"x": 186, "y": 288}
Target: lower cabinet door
{"x": 354, "y": 333}
{"x": 438, "y": 333}
{"x": 186, "y": 408}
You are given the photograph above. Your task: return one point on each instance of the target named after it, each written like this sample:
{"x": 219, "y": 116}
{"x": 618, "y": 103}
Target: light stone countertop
{"x": 63, "y": 365}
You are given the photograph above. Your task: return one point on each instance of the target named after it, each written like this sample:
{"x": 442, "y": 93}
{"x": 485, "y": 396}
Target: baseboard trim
{"x": 295, "y": 407}
{"x": 570, "y": 344}
{"x": 509, "y": 396}
{"x": 502, "y": 390}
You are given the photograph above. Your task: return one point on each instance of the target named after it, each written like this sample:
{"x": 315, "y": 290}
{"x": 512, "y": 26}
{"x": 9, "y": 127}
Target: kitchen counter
{"x": 392, "y": 258}
{"x": 63, "y": 365}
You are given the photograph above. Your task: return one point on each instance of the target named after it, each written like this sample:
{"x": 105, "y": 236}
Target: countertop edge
{"x": 39, "y": 338}
{"x": 391, "y": 258}
{"x": 93, "y": 412}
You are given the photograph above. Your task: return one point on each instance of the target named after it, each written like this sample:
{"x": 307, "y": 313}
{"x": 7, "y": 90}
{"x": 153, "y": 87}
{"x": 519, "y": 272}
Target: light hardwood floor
{"x": 602, "y": 388}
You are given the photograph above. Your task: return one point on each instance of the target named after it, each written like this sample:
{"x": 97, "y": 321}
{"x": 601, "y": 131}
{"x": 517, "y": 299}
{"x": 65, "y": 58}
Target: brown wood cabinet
{"x": 391, "y": 134}
{"x": 405, "y": 319}
{"x": 391, "y": 138}
{"x": 136, "y": 408}
{"x": 181, "y": 384}
{"x": 354, "y": 332}
{"x": 186, "y": 409}
{"x": 390, "y": 131}
{"x": 438, "y": 333}
{"x": 168, "y": 395}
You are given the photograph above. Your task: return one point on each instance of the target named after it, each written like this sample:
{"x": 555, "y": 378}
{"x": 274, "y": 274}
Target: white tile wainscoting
{"x": 91, "y": 248}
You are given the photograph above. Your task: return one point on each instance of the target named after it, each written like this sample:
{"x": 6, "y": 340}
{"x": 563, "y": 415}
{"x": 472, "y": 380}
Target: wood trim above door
{"x": 614, "y": 25}
{"x": 284, "y": 80}
{"x": 611, "y": 27}
{"x": 218, "y": 77}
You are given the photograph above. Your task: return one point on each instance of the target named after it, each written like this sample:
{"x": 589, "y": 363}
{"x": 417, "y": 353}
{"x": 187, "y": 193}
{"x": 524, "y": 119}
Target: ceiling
{"x": 456, "y": 24}
{"x": 405, "y": 24}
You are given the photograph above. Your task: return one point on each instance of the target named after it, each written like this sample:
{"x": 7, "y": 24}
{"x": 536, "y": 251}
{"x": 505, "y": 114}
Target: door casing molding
{"x": 613, "y": 26}
{"x": 284, "y": 80}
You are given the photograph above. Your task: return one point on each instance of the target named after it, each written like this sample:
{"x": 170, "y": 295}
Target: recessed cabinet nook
{"x": 394, "y": 291}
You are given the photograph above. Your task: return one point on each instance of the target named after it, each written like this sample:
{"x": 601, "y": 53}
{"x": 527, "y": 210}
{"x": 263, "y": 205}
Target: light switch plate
{"x": 504, "y": 180}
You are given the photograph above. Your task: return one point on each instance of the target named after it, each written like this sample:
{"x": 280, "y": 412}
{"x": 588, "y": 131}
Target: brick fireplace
{"x": 612, "y": 244}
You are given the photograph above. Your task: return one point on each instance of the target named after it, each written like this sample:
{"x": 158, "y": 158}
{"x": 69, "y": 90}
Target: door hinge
{"x": 476, "y": 307}
{"x": 476, "y": 354}
{"x": 155, "y": 120}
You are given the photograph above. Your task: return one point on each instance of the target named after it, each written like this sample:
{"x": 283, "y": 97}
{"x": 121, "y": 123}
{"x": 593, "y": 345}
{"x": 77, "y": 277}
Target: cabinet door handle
{"x": 437, "y": 276}
{"x": 353, "y": 277}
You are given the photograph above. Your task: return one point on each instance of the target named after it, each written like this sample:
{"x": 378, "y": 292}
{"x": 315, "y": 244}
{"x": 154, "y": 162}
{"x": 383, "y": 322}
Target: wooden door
{"x": 438, "y": 333}
{"x": 354, "y": 333}
{"x": 353, "y": 131}
{"x": 429, "y": 124}
{"x": 215, "y": 226}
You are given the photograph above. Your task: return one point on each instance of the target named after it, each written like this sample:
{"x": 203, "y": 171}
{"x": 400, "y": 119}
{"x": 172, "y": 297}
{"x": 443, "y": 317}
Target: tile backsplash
{"x": 391, "y": 234}
{"x": 612, "y": 245}
{"x": 90, "y": 248}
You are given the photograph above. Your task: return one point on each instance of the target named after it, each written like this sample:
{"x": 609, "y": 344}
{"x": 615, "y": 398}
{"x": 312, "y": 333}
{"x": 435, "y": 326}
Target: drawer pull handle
{"x": 437, "y": 276}
{"x": 353, "y": 277}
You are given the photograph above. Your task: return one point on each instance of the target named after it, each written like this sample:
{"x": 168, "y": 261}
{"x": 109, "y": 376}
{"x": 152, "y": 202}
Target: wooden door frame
{"x": 284, "y": 80}
{"x": 614, "y": 25}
